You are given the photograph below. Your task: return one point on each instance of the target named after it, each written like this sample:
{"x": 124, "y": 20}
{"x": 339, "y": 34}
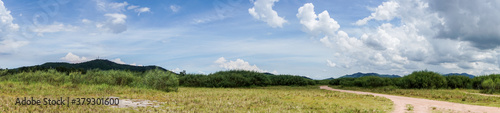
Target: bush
{"x": 458, "y": 81}
{"x": 50, "y": 76}
{"x": 193, "y": 80}
{"x": 161, "y": 80}
{"x": 372, "y": 81}
{"x": 424, "y": 80}
{"x": 241, "y": 78}
{"x": 290, "y": 80}
{"x": 3, "y": 72}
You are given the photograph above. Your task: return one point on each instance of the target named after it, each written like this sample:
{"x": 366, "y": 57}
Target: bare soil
{"x": 133, "y": 103}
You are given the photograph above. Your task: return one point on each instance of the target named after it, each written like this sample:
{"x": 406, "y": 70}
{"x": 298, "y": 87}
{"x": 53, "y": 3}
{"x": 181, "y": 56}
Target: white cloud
{"x": 263, "y": 10}
{"x": 116, "y": 23}
{"x": 386, "y": 11}
{"x": 238, "y": 64}
{"x": 175, "y": 8}
{"x": 177, "y": 70}
{"x": 55, "y": 27}
{"x": 72, "y": 58}
{"x": 142, "y": 10}
{"x": 7, "y": 27}
{"x": 330, "y": 63}
{"x": 9, "y": 45}
{"x": 118, "y": 61}
{"x": 86, "y": 21}
{"x": 274, "y": 72}
{"x": 450, "y": 65}
{"x": 207, "y": 19}
{"x": 132, "y": 7}
{"x": 6, "y": 19}
{"x": 413, "y": 42}
{"x": 309, "y": 19}
{"x": 115, "y": 15}
{"x": 118, "y": 7}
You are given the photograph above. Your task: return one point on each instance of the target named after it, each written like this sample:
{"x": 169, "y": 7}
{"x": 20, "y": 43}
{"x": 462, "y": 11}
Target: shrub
{"x": 458, "y": 81}
{"x": 424, "y": 79}
{"x": 161, "y": 80}
{"x": 50, "y": 76}
{"x": 193, "y": 80}
{"x": 290, "y": 80}
{"x": 372, "y": 81}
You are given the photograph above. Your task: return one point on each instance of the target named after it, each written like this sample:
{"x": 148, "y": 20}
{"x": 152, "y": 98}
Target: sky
{"x": 314, "y": 38}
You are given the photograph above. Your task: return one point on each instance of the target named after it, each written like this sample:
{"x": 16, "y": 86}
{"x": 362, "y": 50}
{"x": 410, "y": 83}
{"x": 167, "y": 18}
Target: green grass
{"x": 259, "y": 99}
{"x": 463, "y": 96}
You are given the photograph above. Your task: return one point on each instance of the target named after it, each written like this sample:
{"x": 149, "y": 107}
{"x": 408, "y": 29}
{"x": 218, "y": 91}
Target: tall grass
{"x": 154, "y": 79}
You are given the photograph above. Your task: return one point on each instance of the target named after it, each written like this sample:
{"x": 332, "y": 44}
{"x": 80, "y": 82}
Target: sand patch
{"x": 133, "y": 103}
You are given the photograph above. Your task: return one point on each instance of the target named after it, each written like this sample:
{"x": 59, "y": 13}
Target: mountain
{"x": 359, "y": 74}
{"x": 459, "y": 74}
{"x": 101, "y": 64}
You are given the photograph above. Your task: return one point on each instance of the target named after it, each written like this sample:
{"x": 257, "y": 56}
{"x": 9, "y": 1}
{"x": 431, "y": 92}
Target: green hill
{"x": 101, "y": 64}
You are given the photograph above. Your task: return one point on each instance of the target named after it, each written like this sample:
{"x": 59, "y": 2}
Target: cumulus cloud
{"x": 7, "y": 27}
{"x": 238, "y": 64}
{"x": 425, "y": 35}
{"x": 118, "y": 61}
{"x": 316, "y": 24}
{"x": 469, "y": 20}
{"x": 116, "y": 22}
{"x": 175, "y": 8}
{"x": 72, "y": 58}
{"x": 386, "y": 11}
{"x": 263, "y": 10}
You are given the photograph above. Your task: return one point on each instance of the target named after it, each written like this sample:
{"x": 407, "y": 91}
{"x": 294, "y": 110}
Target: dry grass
{"x": 260, "y": 99}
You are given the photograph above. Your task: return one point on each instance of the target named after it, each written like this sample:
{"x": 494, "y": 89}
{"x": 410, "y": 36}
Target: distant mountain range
{"x": 359, "y": 74}
{"x": 460, "y": 74}
{"x": 101, "y": 64}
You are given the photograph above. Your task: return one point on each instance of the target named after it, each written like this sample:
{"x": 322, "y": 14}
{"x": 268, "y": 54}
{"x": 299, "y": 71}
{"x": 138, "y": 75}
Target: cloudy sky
{"x": 315, "y": 38}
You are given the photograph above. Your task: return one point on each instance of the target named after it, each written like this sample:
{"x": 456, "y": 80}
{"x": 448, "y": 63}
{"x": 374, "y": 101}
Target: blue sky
{"x": 314, "y": 38}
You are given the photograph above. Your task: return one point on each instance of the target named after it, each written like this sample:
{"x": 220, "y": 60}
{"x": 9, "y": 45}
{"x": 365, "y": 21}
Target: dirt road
{"x": 424, "y": 105}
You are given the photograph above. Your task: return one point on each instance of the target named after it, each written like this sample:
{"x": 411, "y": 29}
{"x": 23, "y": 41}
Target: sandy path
{"x": 424, "y": 105}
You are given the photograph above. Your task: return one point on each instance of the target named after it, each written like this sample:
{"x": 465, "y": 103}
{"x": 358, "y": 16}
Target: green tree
{"x": 458, "y": 81}
{"x": 424, "y": 80}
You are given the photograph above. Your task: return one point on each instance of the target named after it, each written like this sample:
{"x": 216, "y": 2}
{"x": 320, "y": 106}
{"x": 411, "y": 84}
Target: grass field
{"x": 464, "y": 96}
{"x": 258, "y": 99}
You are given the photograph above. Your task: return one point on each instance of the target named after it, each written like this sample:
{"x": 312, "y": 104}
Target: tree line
{"x": 426, "y": 80}
{"x": 242, "y": 78}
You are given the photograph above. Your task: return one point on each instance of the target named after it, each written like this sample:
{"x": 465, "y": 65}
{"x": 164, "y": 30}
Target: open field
{"x": 464, "y": 96}
{"x": 259, "y": 99}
